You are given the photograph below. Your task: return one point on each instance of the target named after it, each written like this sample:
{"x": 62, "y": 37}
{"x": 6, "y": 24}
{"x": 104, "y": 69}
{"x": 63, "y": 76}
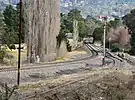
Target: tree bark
{"x": 42, "y": 25}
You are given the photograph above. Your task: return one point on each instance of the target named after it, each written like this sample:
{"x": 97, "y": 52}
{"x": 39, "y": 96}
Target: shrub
{"x": 12, "y": 46}
{"x": 62, "y": 37}
{"x": 2, "y": 54}
{"x": 69, "y": 47}
{"x": 115, "y": 48}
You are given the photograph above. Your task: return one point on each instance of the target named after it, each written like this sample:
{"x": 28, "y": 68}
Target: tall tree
{"x": 129, "y": 20}
{"x": 75, "y": 14}
{"x": 114, "y": 23}
{"x": 11, "y": 20}
{"x": 92, "y": 24}
{"x": 42, "y": 24}
{"x": 2, "y": 26}
{"x": 65, "y": 24}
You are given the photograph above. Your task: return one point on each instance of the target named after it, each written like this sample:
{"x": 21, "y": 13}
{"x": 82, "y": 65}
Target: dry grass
{"x": 14, "y": 57}
{"x": 106, "y": 84}
{"x": 14, "y": 53}
{"x": 93, "y": 74}
{"x": 69, "y": 55}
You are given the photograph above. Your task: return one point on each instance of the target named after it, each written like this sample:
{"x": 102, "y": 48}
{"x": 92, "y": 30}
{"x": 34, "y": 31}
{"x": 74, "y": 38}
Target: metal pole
{"x": 19, "y": 49}
{"x": 104, "y": 41}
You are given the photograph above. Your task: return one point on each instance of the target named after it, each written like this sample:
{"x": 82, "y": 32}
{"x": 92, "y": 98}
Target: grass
{"x": 70, "y": 55}
{"x": 14, "y": 53}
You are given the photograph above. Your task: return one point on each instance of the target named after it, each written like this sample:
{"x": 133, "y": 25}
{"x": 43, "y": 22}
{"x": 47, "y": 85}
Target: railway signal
{"x": 104, "y": 18}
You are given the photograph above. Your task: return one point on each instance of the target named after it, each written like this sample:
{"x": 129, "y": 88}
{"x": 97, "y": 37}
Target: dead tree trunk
{"x": 75, "y": 34}
{"x": 42, "y": 24}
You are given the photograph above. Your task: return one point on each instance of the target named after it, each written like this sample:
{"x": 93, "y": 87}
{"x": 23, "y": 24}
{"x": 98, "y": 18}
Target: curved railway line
{"x": 55, "y": 89}
{"x": 48, "y": 65}
{"x": 108, "y": 55}
{"x": 94, "y": 52}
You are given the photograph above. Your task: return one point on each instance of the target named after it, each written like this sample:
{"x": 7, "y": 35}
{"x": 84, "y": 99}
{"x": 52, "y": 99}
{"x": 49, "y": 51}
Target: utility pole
{"x": 19, "y": 49}
{"x": 104, "y": 51}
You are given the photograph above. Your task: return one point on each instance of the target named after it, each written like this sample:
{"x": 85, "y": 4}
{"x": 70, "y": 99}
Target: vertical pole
{"x": 104, "y": 52}
{"x": 19, "y": 49}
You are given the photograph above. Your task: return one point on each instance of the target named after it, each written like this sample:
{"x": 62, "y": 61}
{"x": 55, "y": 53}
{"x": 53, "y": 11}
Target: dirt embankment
{"x": 106, "y": 84}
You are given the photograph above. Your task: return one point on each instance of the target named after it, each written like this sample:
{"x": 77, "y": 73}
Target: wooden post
{"x": 19, "y": 49}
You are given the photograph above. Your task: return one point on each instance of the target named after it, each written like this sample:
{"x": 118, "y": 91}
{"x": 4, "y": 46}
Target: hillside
{"x": 99, "y": 7}
{"x": 91, "y": 7}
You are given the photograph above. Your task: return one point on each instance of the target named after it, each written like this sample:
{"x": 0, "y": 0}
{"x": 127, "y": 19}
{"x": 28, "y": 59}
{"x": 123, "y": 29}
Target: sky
{"x": 14, "y": 1}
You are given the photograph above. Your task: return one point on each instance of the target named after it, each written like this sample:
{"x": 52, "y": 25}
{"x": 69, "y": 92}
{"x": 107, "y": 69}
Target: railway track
{"x": 116, "y": 61}
{"x": 49, "y": 65}
{"x": 55, "y": 89}
{"x": 120, "y": 58}
{"x": 40, "y": 66}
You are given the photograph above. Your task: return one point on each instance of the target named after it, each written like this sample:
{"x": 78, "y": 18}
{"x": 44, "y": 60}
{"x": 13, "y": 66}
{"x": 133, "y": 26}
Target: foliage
{"x": 87, "y": 26}
{"x": 99, "y": 30}
{"x": 67, "y": 23}
{"x": 69, "y": 47}
{"x": 11, "y": 19}
{"x": 62, "y": 37}
{"x": 115, "y": 48}
{"x": 98, "y": 33}
{"x": 129, "y": 20}
{"x": 2, "y": 54}
{"x": 12, "y": 46}
{"x": 75, "y": 14}
{"x": 83, "y": 29}
{"x": 2, "y": 25}
{"x": 92, "y": 24}
{"x": 114, "y": 23}
{"x": 7, "y": 93}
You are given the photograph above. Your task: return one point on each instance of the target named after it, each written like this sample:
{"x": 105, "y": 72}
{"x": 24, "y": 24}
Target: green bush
{"x": 69, "y": 47}
{"x": 115, "y": 48}
{"x": 12, "y": 46}
{"x": 2, "y": 55}
{"x": 62, "y": 37}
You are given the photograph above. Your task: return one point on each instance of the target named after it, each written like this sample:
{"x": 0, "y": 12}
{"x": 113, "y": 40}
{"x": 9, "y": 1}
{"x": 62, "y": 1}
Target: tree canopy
{"x": 129, "y": 20}
{"x": 11, "y": 20}
{"x": 84, "y": 25}
{"x": 2, "y": 25}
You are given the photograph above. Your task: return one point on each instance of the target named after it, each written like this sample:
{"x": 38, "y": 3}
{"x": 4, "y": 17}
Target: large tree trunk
{"x": 42, "y": 24}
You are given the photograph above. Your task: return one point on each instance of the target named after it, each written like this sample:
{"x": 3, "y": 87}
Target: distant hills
{"x": 99, "y": 7}
{"x": 92, "y": 7}
{"x": 3, "y": 4}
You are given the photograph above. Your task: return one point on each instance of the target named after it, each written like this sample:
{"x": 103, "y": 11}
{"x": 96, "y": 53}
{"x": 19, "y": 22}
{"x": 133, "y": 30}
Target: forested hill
{"x": 91, "y": 7}
{"x": 99, "y": 7}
